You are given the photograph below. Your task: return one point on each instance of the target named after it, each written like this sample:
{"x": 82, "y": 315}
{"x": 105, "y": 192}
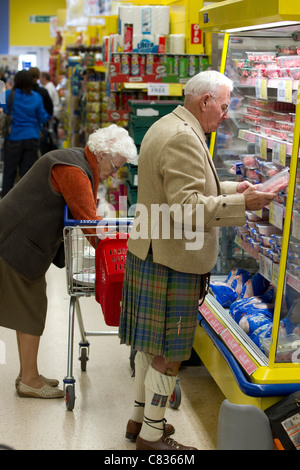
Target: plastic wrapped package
{"x": 261, "y": 56}
{"x": 259, "y": 315}
{"x": 277, "y": 183}
{"x": 288, "y": 61}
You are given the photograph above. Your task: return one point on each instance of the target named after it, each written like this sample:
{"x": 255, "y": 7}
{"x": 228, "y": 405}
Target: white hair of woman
{"x": 207, "y": 82}
{"x": 115, "y": 140}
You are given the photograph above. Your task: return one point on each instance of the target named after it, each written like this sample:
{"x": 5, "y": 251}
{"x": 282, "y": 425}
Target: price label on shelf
{"x": 276, "y": 212}
{"x": 275, "y": 274}
{"x": 158, "y": 89}
{"x": 279, "y": 153}
{"x": 261, "y": 88}
{"x": 164, "y": 89}
{"x": 285, "y": 90}
{"x": 263, "y": 148}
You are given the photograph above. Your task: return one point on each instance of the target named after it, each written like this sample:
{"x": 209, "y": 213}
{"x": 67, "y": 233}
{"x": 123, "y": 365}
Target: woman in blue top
{"x": 20, "y": 149}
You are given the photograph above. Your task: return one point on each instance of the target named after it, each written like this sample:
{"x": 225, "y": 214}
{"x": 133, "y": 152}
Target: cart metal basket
{"x": 92, "y": 272}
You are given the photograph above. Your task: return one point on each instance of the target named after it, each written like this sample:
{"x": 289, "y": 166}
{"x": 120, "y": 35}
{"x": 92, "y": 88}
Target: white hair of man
{"x": 207, "y": 82}
{"x": 115, "y": 140}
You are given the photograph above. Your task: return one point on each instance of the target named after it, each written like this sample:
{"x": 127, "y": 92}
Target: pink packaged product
{"x": 265, "y": 131}
{"x": 284, "y": 126}
{"x": 277, "y": 183}
{"x": 294, "y": 72}
{"x": 266, "y": 113}
{"x": 287, "y": 50}
{"x": 288, "y": 61}
{"x": 257, "y": 103}
{"x": 252, "y": 119}
{"x": 261, "y": 56}
{"x": 270, "y": 73}
{"x": 279, "y": 134}
{"x": 280, "y": 116}
{"x": 249, "y": 161}
{"x": 267, "y": 122}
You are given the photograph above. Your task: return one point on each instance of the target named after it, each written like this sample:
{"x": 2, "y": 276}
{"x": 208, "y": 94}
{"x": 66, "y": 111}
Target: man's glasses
{"x": 224, "y": 107}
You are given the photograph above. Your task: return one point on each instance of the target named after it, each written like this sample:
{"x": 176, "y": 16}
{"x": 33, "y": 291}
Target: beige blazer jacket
{"x": 176, "y": 171}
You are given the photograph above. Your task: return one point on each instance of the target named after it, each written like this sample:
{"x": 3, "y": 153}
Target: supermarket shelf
{"x": 271, "y": 83}
{"x": 214, "y": 313}
{"x": 252, "y": 137}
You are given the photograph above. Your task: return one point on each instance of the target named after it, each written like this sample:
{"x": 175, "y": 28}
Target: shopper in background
{"x": 48, "y": 104}
{"x": 163, "y": 278}
{"x": 20, "y": 150}
{"x": 50, "y": 87}
{"x": 31, "y": 232}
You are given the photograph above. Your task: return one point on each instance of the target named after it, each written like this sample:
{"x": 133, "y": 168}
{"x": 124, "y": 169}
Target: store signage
{"x": 196, "y": 34}
{"x": 40, "y": 18}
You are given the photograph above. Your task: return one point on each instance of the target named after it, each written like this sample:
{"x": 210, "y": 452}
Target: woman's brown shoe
{"x": 134, "y": 427}
{"x": 164, "y": 443}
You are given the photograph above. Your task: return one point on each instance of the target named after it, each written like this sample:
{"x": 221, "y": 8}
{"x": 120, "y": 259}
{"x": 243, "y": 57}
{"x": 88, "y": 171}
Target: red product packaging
{"x": 128, "y": 33}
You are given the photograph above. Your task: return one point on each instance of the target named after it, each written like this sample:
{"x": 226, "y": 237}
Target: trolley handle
{"x": 105, "y": 222}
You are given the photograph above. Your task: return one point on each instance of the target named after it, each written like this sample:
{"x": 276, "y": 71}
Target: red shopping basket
{"x": 110, "y": 264}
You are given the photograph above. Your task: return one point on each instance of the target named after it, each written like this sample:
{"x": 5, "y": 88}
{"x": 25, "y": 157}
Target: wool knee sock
{"x": 142, "y": 362}
{"x": 158, "y": 388}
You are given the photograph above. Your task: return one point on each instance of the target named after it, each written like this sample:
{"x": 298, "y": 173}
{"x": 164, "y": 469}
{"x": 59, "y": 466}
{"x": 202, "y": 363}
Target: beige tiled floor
{"x": 103, "y": 392}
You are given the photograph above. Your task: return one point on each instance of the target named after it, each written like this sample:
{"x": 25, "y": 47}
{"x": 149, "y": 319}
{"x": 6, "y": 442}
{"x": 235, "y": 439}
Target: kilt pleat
{"x": 159, "y": 309}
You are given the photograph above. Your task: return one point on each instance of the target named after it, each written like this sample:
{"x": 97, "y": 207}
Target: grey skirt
{"x": 23, "y": 304}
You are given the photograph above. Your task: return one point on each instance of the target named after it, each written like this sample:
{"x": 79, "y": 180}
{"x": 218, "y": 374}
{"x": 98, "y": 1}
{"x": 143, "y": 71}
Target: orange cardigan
{"x": 76, "y": 189}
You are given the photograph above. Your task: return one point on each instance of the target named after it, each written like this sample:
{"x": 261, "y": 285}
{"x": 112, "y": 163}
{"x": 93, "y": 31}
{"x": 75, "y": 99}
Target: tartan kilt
{"x": 159, "y": 309}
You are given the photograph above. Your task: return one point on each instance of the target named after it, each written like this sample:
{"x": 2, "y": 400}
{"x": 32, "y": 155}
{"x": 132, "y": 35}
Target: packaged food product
{"x": 267, "y": 122}
{"x": 249, "y": 161}
{"x": 277, "y": 238}
{"x": 256, "y": 103}
{"x": 284, "y": 125}
{"x": 261, "y": 56}
{"x": 279, "y": 116}
{"x": 287, "y": 50}
{"x": 275, "y": 257}
{"x": 251, "y": 119}
{"x": 265, "y": 240}
{"x": 279, "y": 134}
{"x": 266, "y": 113}
{"x": 255, "y": 245}
{"x": 252, "y": 216}
{"x": 288, "y": 61}
{"x": 277, "y": 182}
{"x": 266, "y": 131}
{"x": 251, "y": 224}
{"x": 270, "y": 73}
{"x": 294, "y": 72}
{"x": 265, "y": 228}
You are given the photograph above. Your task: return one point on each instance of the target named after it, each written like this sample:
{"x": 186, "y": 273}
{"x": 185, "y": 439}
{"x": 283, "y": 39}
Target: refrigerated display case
{"x": 248, "y": 335}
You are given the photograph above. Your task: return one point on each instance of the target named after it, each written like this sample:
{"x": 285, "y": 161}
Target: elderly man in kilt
{"x": 164, "y": 274}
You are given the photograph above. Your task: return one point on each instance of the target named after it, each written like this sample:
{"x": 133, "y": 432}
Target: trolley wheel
{"x": 175, "y": 398}
{"x": 70, "y": 397}
{"x": 83, "y": 358}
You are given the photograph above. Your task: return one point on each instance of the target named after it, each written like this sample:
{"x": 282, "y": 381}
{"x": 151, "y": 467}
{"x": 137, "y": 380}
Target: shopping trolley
{"x": 95, "y": 272}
